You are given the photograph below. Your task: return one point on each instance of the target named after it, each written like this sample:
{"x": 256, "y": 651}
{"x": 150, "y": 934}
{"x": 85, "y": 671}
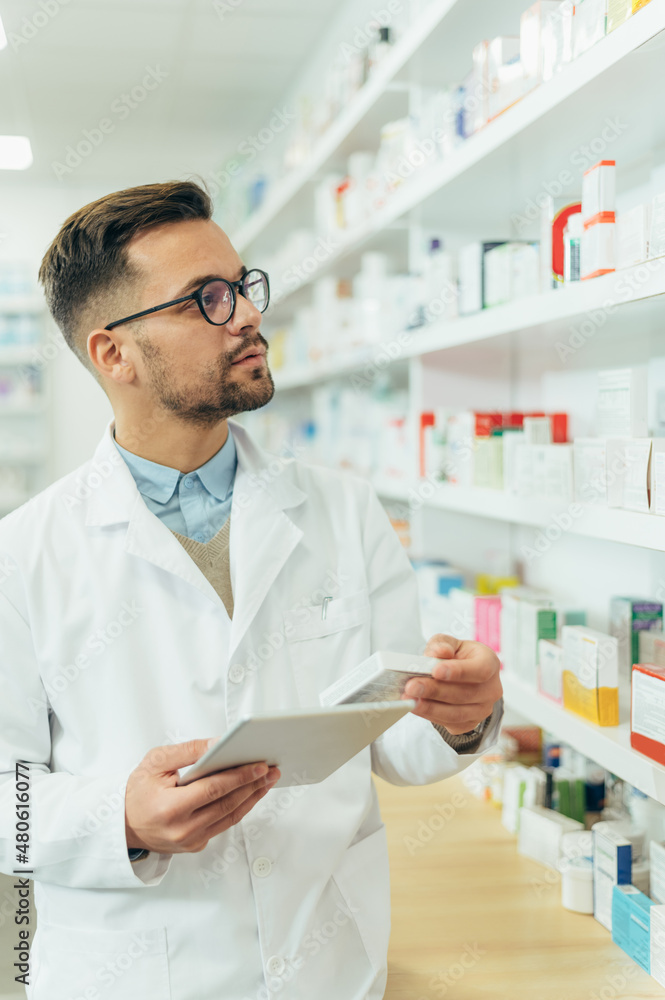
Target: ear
{"x": 108, "y": 351}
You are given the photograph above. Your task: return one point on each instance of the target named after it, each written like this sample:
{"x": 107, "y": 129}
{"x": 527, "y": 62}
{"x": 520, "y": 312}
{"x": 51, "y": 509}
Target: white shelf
{"x": 16, "y": 304}
{"x": 391, "y": 489}
{"x": 300, "y": 377}
{"x": 362, "y": 102}
{"x": 35, "y": 407}
{"x": 10, "y": 356}
{"x": 22, "y": 458}
{"x": 607, "y": 523}
{"x": 609, "y": 746}
{"x": 527, "y": 120}
{"x": 576, "y": 300}
{"x": 641, "y": 283}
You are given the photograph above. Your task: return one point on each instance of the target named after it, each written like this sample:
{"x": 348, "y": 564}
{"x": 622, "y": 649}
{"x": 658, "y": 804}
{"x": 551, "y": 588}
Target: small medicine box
{"x": 612, "y": 865}
{"x": 631, "y": 924}
{"x": 550, "y": 669}
{"x": 629, "y": 618}
{"x": 657, "y": 949}
{"x": 381, "y": 677}
{"x": 647, "y": 711}
{"x": 590, "y": 674}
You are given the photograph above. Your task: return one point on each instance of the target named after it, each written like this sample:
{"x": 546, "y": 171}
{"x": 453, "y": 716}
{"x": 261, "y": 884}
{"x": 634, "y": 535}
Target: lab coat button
{"x": 275, "y": 965}
{"x": 262, "y": 867}
{"x": 237, "y": 673}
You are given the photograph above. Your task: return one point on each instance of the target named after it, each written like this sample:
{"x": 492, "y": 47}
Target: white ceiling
{"x": 228, "y": 63}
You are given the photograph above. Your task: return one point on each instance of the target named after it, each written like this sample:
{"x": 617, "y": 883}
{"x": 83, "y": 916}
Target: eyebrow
{"x": 201, "y": 280}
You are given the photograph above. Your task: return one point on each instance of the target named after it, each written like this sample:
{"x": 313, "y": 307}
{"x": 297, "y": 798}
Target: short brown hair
{"x": 87, "y": 267}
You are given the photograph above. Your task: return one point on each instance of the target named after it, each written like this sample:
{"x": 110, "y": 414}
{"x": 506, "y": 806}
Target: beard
{"x": 215, "y": 395}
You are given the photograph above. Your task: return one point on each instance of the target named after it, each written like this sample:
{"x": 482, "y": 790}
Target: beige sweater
{"x": 212, "y": 558}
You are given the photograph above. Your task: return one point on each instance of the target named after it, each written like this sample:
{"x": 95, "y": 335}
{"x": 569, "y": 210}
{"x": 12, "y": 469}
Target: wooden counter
{"x": 473, "y": 919}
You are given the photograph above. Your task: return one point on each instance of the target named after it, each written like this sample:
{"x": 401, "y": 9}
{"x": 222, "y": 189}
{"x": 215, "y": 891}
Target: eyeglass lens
{"x": 255, "y": 289}
{"x": 217, "y": 299}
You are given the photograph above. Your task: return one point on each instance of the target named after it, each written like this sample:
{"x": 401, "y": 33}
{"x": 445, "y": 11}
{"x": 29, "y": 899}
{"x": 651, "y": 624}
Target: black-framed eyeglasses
{"x": 217, "y": 298}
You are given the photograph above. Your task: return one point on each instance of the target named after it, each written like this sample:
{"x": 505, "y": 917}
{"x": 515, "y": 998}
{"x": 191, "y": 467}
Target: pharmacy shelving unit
{"x": 609, "y": 746}
{"x": 25, "y": 419}
{"x": 586, "y": 520}
{"x": 357, "y": 123}
{"x": 512, "y": 154}
{"x": 640, "y": 287}
{"x": 536, "y": 353}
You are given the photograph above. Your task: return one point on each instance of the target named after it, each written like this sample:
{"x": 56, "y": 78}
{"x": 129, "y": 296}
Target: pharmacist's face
{"x": 187, "y": 365}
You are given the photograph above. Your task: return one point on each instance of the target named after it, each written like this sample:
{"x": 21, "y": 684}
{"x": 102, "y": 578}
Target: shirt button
{"x": 188, "y": 483}
{"x": 236, "y": 673}
{"x": 275, "y": 965}
{"x": 199, "y": 537}
{"x": 262, "y": 867}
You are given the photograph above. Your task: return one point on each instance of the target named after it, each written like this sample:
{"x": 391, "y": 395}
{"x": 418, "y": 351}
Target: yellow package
{"x": 488, "y": 584}
{"x": 591, "y": 674}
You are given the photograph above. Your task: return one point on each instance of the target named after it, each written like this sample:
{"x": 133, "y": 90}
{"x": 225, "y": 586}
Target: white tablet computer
{"x": 307, "y": 744}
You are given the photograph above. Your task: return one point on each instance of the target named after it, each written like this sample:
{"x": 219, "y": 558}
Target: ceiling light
{"x": 15, "y": 152}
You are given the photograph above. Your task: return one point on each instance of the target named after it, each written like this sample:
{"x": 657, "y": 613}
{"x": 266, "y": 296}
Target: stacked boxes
{"x": 651, "y": 645}
{"x": 657, "y": 944}
{"x": 629, "y": 616}
{"x": 647, "y": 711}
{"x": 612, "y": 863}
{"x": 598, "y": 215}
{"x": 631, "y": 923}
{"x": 526, "y": 617}
{"x": 590, "y": 674}
{"x": 488, "y": 620}
{"x": 588, "y": 24}
{"x": 550, "y": 670}
{"x": 533, "y": 36}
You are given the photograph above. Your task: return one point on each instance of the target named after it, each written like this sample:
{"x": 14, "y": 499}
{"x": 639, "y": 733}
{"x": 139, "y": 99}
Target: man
{"x": 171, "y": 583}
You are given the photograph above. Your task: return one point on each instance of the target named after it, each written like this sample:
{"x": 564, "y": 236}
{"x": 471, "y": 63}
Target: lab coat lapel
{"x": 262, "y": 535}
{"x": 148, "y": 538}
{"x": 112, "y": 497}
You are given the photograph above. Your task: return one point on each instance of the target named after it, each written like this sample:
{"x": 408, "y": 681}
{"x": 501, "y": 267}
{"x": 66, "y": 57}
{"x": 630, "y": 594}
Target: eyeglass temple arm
{"x": 146, "y": 312}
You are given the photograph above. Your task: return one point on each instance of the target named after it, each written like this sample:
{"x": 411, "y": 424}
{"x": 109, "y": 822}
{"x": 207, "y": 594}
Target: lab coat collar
{"x": 262, "y": 535}
{"x": 114, "y": 493}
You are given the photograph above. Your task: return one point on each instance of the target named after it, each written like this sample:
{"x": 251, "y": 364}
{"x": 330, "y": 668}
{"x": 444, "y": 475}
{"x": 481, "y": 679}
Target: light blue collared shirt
{"x": 196, "y": 504}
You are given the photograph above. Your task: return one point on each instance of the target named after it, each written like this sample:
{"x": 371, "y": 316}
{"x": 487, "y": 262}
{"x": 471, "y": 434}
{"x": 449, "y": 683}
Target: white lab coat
{"x": 112, "y": 642}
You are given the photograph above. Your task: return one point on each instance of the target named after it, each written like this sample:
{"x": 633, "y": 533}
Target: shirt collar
{"x": 159, "y": 482}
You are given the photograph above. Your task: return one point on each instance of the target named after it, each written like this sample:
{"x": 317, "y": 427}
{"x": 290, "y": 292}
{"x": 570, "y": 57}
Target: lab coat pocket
{"x": 118, "y": 965}
{"x": 363, "y": 879}
{"x": 321, "y": 648}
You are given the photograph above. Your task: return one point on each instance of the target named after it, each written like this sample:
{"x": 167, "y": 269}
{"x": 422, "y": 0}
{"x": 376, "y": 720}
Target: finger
{"x": 450, "y": 693}
{"x": 457, "y": 719}
{"x": 203, "y": 791}
{"x": 215, "y": 811}
{"x": 441, "y": 646}
{"x": 453, "y": 694}
{"x": 239, "y": 813}
{"x": 470, "y": 666}
{"x": 169, "y": 758}
{"x": 198, "y": 837}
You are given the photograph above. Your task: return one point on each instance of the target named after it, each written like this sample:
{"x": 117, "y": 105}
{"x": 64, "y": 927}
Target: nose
{"x": 245, "y": 316}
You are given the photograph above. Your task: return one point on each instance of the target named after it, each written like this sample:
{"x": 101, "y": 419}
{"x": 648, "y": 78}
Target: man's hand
{"x": 463, "y": 687}
{"x": 162, "y": 816}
